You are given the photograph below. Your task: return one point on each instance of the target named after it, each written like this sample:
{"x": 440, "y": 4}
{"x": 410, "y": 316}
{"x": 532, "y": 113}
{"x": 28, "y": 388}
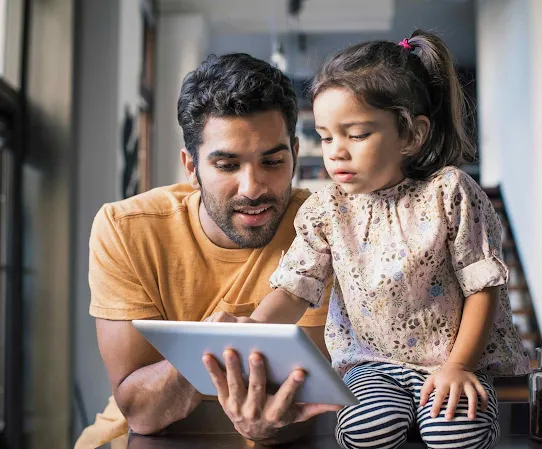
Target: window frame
{"x": 13, "y": 109}
{"x": 11, "y": 431}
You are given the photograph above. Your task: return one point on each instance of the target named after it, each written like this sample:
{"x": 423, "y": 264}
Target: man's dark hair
{"x": 235, "y": 84}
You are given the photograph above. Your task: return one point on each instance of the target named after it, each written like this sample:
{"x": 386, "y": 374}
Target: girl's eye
{"x": 361, "y": 136}
{"x": 326, "y": 139}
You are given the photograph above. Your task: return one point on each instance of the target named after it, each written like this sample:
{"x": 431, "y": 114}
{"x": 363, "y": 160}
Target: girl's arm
{"x": 280, "y": 307}
{"x": 476, "y": 321}
{"x": 474, "y": 246}
{"x": 456, "y": 376}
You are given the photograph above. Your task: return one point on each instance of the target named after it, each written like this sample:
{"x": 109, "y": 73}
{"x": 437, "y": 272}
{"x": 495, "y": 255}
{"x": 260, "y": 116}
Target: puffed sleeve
{"x": 305, "y": 269}
{"x": 474, "y": 235}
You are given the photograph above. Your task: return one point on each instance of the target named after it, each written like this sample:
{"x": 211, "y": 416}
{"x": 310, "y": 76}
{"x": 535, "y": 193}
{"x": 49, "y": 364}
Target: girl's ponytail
{"x": 449, "y": 105}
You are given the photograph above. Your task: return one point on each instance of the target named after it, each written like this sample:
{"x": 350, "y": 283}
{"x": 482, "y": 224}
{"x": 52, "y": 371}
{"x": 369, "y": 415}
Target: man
{"x": 166, "y": 254}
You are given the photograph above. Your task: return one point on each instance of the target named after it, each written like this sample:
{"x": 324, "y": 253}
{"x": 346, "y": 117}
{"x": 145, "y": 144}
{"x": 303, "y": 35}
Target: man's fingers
{"x": 236, "y": 383}
{"x": 307, "y": 411}
{"x": 470, "y": 392}
{"x": 257, "y": 394}
{"x": 283, "y": 399}
{"x": 453, "y": 400}
{"x": 426, "y": 391}
{"x": 217, "y": 376}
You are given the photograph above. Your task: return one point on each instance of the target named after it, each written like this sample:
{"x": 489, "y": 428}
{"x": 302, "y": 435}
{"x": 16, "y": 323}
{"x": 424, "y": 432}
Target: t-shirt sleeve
{"x": 306, "y": 268}
{"x": 116, "y": 290}
{"x": 474, "y": 235}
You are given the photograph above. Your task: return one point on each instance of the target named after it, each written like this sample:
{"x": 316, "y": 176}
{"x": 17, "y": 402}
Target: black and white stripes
{"x": 389, "y": 396}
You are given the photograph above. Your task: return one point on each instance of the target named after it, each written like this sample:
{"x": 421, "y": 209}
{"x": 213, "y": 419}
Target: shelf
{"x": 518, "y": 288}
{"x": 310, "y": 160}
{"x": 313, "y": 184}
{"x": 527, "y": 311}
{"x": 513, "y": 394}
{"x": 530, "y": 336}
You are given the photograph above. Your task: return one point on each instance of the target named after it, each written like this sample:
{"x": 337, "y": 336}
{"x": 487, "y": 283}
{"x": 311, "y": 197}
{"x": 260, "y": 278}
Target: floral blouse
{"x": 404, "y": 259}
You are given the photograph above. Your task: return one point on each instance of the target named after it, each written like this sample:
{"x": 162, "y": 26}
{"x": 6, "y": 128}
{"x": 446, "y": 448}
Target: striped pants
{"x": 389, "y": 398}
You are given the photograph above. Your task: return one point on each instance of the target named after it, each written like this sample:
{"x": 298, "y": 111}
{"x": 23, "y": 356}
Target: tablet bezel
{"x": 284, "y": 347}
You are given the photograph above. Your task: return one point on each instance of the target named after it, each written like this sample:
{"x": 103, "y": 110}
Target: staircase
{"x": 515, "y": 389}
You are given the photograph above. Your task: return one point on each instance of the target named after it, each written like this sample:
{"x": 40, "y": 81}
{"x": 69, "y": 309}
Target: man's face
{"x": 245, "y": 168}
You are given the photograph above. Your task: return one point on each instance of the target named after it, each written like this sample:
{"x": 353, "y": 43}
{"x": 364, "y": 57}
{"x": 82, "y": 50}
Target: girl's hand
{"x": 225, "y": 317}
{"x": 452, "y": 380}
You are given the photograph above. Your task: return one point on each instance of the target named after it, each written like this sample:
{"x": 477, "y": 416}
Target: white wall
{"x": 130, "y": 56}
{"x": 454, "y": 21}
{"x": 510, "y": 108}
{"x": 3, "y": 13}
{"x": 108, "y": 73}
{"x": 13, "y": 42}
{"x": 98, "y": 180}
{"x": 182, "y": 40}
{"x": 490, "y": 144}
{"x": 535, "y": 271}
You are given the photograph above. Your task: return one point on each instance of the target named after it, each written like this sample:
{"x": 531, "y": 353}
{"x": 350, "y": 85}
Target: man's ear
{"x": 295, "y": 152}
{"x": 190, "y": 168}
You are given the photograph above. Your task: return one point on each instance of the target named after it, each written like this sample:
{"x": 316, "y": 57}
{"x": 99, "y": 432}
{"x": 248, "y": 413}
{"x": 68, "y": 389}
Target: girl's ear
{"x": 421, "y": 127}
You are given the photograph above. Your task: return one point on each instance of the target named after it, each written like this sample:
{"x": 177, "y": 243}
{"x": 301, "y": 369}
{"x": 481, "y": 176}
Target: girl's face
{"x": 361, "y": 144}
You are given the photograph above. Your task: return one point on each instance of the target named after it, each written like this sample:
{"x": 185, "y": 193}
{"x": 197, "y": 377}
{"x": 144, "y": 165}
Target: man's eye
{"x": 273, "y": 162}
{"x": 226, "y": 167}
{"x": 326, "y": 139}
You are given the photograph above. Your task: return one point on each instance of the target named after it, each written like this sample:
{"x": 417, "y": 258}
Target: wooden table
{"x": 208, "y": 427}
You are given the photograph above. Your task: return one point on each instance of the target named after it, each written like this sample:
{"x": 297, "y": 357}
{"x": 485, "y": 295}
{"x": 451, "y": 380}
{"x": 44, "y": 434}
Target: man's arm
{"x": 149, "y": 391}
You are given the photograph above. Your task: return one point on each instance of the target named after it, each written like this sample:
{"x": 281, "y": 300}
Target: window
{"x": 3, "y": 12}
{"x": 8, "y": 162}
{"x": 6, "y": 167}
{"x": 145, "y": 117}
{"x": 11, "y": 26}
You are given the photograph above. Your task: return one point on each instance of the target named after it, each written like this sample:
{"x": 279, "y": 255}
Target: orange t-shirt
{"x": 150, "y": 258}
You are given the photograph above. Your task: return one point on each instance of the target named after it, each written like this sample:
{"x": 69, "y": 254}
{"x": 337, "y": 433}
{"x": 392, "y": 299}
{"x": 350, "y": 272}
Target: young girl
{"x": 419, "y": 318}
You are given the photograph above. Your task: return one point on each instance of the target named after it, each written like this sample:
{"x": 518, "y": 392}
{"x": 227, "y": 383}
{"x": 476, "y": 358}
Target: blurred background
{"x": 88, "y": 92}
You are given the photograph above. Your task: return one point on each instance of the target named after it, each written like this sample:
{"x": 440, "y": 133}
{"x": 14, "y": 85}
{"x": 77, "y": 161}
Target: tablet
{"x": 285, "y": 347}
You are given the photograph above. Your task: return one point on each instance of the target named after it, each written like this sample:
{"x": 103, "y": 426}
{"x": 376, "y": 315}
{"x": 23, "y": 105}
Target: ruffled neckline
{"x": 389, "y": 192}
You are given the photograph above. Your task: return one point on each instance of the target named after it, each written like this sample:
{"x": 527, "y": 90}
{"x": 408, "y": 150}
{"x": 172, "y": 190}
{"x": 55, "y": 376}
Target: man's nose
{"x": 253, "y": 183}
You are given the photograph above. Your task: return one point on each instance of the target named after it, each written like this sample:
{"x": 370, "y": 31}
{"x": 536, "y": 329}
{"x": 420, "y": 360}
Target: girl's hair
{"x": 392, "y": 77}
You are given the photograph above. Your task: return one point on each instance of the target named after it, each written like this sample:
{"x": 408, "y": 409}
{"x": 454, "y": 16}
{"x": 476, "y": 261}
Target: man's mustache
{"x": 247, "y": 202}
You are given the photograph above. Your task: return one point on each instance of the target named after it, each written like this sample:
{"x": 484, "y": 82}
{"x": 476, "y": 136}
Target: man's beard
{"x": 246, "y": 236}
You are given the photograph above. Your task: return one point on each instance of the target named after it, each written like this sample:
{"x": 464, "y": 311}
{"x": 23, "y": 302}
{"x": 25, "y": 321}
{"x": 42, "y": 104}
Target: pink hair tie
{"x": 404, "y": 43}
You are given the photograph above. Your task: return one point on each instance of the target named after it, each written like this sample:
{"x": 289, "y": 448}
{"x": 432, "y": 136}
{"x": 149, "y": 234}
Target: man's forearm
{"x": 155, "y": 396}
